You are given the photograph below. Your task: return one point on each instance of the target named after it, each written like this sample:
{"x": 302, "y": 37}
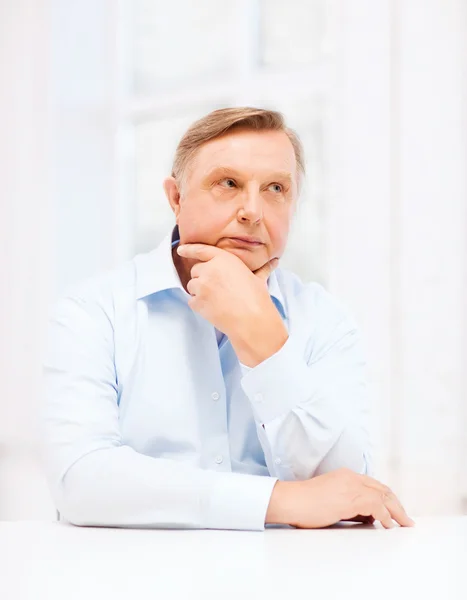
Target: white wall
{"x": 430, "y": 196}
{"x": 57, "y": 193}
{"x": 25, "y": 228}
{"x": 398, "y": 233}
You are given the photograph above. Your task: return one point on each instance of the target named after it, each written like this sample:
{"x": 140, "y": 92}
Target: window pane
{"x": 293, "y": 32}
{"x": 178, "y": 42}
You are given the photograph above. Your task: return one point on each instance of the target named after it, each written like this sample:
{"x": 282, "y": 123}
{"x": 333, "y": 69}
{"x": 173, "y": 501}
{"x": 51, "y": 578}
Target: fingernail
{"x": 180, "y": 248}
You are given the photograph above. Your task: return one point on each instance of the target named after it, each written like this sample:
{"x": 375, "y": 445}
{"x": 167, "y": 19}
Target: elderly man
{"x": 200, "y": 385}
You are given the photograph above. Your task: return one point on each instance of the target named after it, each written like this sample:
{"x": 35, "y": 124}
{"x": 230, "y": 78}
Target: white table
{"x": 57, "y": 561}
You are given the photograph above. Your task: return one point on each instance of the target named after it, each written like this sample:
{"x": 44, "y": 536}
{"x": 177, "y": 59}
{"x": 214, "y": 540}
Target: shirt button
{"x": 215, "y": 396}
{"x": 278, "y": 461}
{"x": 219, "y": 459}
{"x": 258, "y": 397}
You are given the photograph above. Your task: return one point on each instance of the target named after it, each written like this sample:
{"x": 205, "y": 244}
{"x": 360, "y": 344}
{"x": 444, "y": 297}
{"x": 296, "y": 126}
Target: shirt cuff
{"x": 239, "y": 501}
{"x": 278, "y": 384}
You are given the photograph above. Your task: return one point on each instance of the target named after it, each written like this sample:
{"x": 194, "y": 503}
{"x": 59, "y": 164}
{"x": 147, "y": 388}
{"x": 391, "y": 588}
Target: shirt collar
{"x": 156, "y": 272}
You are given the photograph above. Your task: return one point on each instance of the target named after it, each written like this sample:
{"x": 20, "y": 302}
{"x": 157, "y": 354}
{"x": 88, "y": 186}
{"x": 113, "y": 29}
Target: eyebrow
{"x": 225, "y": 171}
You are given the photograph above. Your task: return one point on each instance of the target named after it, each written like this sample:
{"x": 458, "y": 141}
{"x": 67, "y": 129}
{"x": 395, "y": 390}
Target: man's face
{"x": 241, "y": 184}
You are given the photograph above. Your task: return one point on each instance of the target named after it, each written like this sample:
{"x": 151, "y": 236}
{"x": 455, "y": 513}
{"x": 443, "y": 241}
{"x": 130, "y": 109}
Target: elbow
{"x": 347, "y": 453}
{"x": 75, "y": 494}
{"x": 73, "y": 505}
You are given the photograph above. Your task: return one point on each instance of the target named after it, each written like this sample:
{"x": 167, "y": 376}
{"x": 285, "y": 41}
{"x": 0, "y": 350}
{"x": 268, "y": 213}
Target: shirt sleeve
{"x": 94, "y": 478}
{"x": 312, "y": 411}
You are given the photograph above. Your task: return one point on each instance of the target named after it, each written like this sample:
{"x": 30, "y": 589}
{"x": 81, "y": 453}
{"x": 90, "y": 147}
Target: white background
{"x": 94, "y": 96}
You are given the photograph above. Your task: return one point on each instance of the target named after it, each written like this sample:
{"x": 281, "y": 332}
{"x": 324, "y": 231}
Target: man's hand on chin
{"x": 236, "y": 301}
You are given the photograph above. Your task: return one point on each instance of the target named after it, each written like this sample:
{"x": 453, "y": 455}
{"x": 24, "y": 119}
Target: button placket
{"x": 218, "y": 448}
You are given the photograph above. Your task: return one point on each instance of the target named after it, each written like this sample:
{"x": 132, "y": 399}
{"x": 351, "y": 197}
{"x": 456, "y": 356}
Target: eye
{"x": 228, "y": 183}
{"x": 276, "y": 187}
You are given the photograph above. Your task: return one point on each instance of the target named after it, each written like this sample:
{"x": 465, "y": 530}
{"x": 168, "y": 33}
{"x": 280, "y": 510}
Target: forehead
{"x": 247, "y": 151}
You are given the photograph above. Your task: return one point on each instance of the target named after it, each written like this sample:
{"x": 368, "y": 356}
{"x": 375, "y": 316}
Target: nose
{"x": 251, "y": 208}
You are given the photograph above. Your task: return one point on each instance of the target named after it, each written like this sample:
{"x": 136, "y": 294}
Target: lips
{"x": 244, "y": 242}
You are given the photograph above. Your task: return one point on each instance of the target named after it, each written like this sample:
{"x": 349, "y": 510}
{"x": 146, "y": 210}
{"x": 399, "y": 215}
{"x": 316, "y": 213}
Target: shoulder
{"x": 312, "y": 298}
{"x": 319, "y": 318}
{"x": 98, "y": 295}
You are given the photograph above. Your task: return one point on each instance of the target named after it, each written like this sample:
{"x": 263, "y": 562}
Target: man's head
{"x": 237, "y": 173}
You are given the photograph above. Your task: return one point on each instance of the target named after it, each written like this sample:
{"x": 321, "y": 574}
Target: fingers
{"x": 267, "y": 269}
{"x": 375, "y": 510}
{"x": 203, "y": 252}
{"x": 386, "y": 510}
{"x": 192, "y": 286}
{"x": 390, "y": 500}
{"x": 397, "y": 512}
{"x": 196, "y": 269}
{"x": 362, "y": 519}
{"x": 382, "y": 514}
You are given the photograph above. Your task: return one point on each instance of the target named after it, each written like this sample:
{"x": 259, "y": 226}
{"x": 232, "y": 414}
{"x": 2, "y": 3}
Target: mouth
{"x": 245, "y": 243}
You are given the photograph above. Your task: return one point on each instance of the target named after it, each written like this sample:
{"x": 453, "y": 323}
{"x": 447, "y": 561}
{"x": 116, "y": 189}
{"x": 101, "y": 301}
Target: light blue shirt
{"x": 151, "y": 421}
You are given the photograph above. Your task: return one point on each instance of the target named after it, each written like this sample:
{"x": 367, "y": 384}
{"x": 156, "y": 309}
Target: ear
{"x": 173, "y": 194}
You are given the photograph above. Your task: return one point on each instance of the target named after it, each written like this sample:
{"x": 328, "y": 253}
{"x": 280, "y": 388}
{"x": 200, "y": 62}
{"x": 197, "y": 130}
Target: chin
{"x": 248, "y": 260}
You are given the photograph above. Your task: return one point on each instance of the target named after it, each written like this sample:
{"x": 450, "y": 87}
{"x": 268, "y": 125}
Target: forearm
{"x": 121, "y": 488}
{"x": 351, "y": 451}
{"x": 303, "y": 444}
{"x": 258, "y": 337}
{"x": 310, "y": 418}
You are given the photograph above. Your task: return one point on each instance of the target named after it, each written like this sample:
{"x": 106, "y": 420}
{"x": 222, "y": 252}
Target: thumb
{"x": 266, "y": 270}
